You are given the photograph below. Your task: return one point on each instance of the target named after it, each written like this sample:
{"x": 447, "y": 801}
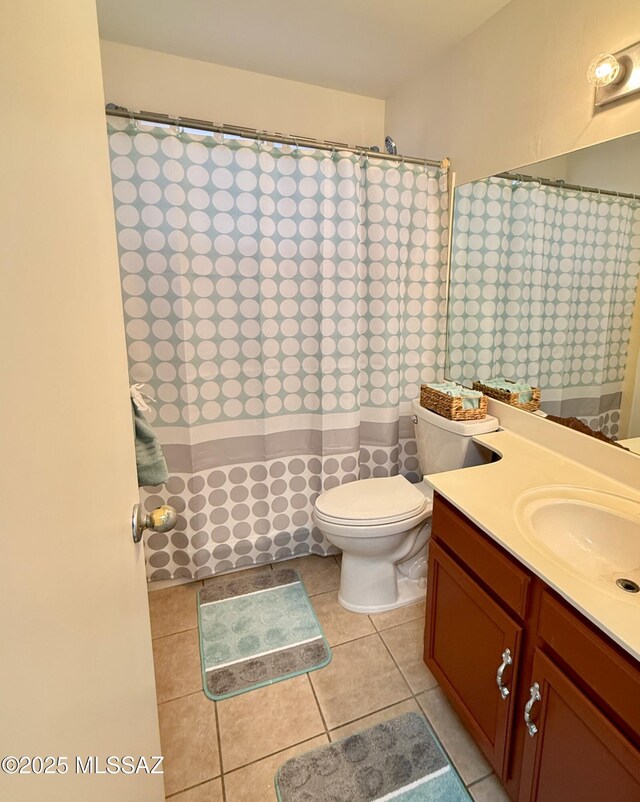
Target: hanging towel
{"x": 150, "y": 461}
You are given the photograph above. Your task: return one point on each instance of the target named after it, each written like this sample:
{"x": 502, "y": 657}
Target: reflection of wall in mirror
{"x": 613, "y": 165}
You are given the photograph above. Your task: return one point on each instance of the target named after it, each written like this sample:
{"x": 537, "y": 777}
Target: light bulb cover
{"x": 603, "y": 70}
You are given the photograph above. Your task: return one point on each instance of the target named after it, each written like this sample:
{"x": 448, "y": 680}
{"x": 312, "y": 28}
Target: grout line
{"x": 373, "y": 713}
{"x": 219, "y": 741}
{"x": 481, "y": 779}
{"x": 175, "y": 698}
{"x": 315, "y": 696}
{"x": 318, "y": 593}
{"x": 191, "y": 787}
{"x": 396, "y": 664}
{"x": 171, "y": 634}
{"x": 272, "y": 754}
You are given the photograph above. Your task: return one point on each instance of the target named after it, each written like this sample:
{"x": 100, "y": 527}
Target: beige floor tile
{"x": 400, "y": 616}
{"x": 189, "y": 742}
{"x": 177, "y": 665}
{"x": 406, "y": 644}
{"x": 245, "y": 572}
{"x": 255, "y": 783}
{"x": 360, "y": 679}
{"x": 408, "y": 706}
{"x": 489, "y": 790}
{"x": 174, "y": 609}
{"x": 267, "y": 720}
{"x": 467, "y": 758}
{"x": 319, "y": 574}
{"x": 207, "y": 792}
{"x": 339, "y": 625}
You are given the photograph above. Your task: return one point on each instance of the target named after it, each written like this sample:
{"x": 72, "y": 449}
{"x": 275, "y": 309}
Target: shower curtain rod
{"x": 549, "y": 182}
{"x": 264, "y": 136}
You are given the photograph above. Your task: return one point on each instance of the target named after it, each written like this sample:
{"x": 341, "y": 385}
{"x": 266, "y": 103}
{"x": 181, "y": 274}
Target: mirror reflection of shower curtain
{"x": 543, "y": 286}
{"x": 282, "y": 305}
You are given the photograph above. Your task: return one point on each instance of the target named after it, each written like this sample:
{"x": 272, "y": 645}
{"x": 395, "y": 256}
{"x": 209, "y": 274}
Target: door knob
{"x": 162, "y": 519}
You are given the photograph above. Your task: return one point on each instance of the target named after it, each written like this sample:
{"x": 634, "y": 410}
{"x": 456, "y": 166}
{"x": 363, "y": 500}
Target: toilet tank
{"x": 445, "y": 445}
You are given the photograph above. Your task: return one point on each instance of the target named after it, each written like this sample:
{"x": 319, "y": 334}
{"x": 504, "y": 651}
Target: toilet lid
{"x": 381, "y": 500}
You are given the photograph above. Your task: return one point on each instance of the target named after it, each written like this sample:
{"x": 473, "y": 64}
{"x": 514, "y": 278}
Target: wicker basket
{"x": 511, "y": 398}
{"x": 450, "y": 407}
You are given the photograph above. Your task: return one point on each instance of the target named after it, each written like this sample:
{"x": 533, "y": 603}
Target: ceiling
{"x": 364, "y": 46}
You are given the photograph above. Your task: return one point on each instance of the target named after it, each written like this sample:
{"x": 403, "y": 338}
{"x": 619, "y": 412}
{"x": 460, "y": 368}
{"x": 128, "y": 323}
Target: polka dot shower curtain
{"x": 543, "y": 287}
{"x": 282, "y": 307}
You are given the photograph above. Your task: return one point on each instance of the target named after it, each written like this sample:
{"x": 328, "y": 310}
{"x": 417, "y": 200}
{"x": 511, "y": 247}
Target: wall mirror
{"x": 544, "y": 284}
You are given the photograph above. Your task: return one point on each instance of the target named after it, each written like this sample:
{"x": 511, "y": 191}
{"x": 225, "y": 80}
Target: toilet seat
{"x": 374, "y": 503}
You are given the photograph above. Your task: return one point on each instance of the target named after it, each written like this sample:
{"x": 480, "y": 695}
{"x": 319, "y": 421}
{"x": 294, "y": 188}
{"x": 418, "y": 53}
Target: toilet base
{"x": 410, "y": 591}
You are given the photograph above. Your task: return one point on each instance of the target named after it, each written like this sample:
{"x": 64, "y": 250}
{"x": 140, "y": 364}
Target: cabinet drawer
{"x": 608, "y": 674}
{"x": 499, "y": 573}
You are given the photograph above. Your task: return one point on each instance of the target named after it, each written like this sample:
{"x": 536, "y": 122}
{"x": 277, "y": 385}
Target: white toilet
{"x": 383, "y": 525}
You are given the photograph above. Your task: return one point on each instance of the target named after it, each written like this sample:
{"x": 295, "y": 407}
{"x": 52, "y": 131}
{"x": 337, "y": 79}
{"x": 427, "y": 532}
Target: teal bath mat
{"x": 398, "y": 760}
{"x": 257, "y": 630}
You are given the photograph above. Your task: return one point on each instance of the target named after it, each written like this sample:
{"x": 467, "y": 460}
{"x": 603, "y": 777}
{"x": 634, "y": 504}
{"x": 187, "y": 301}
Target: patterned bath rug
{"x": 256, "y": 630}
{"x": 397, "y": 760}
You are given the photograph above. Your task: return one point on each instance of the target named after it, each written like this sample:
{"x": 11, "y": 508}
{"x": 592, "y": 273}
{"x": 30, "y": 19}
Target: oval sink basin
{"x": 596, "y": 535}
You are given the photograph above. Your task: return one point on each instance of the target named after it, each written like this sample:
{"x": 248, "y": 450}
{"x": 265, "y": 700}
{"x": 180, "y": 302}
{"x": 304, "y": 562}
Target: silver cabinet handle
{"x": 162, "y": 519}
{"x": 535, "y": 697}
{"x": 507, "y": 660}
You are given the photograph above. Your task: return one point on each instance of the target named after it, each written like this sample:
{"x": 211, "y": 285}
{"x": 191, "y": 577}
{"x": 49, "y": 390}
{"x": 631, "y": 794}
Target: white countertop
{"x": 633, "y": 444}
{"x": 487, "y": 494}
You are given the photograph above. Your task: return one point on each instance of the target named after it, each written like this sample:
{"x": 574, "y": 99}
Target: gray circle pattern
{"x": 271, "y": 523}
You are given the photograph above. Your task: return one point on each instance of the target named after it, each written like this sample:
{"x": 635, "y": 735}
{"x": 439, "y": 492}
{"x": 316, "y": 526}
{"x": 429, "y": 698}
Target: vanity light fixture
{"x": 615, "y": 75}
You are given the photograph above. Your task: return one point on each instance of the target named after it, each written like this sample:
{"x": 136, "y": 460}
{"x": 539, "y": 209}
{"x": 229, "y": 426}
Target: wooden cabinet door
{"x": 466, "y": 636}
{"x": 576, "y": 752}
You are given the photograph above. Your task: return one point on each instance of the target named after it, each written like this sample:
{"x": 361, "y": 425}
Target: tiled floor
{"x": 229, "y": 751}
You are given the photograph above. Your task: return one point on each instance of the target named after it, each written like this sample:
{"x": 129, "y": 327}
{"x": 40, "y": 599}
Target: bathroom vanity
{"x": 550, "y": 699}
{"x": 541, "y": 663}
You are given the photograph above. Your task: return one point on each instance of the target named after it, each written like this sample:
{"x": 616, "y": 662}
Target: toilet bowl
{"x": 383, "y": 525}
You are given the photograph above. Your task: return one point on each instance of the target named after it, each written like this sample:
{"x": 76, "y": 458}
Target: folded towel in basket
{"x": 470, "y": 398}
{"x": 523, "y": 389}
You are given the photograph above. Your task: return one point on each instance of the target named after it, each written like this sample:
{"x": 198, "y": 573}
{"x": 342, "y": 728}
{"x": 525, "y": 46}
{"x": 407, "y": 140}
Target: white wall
{"x": 514, "y": 92}
{"x": 153, "y": 81}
